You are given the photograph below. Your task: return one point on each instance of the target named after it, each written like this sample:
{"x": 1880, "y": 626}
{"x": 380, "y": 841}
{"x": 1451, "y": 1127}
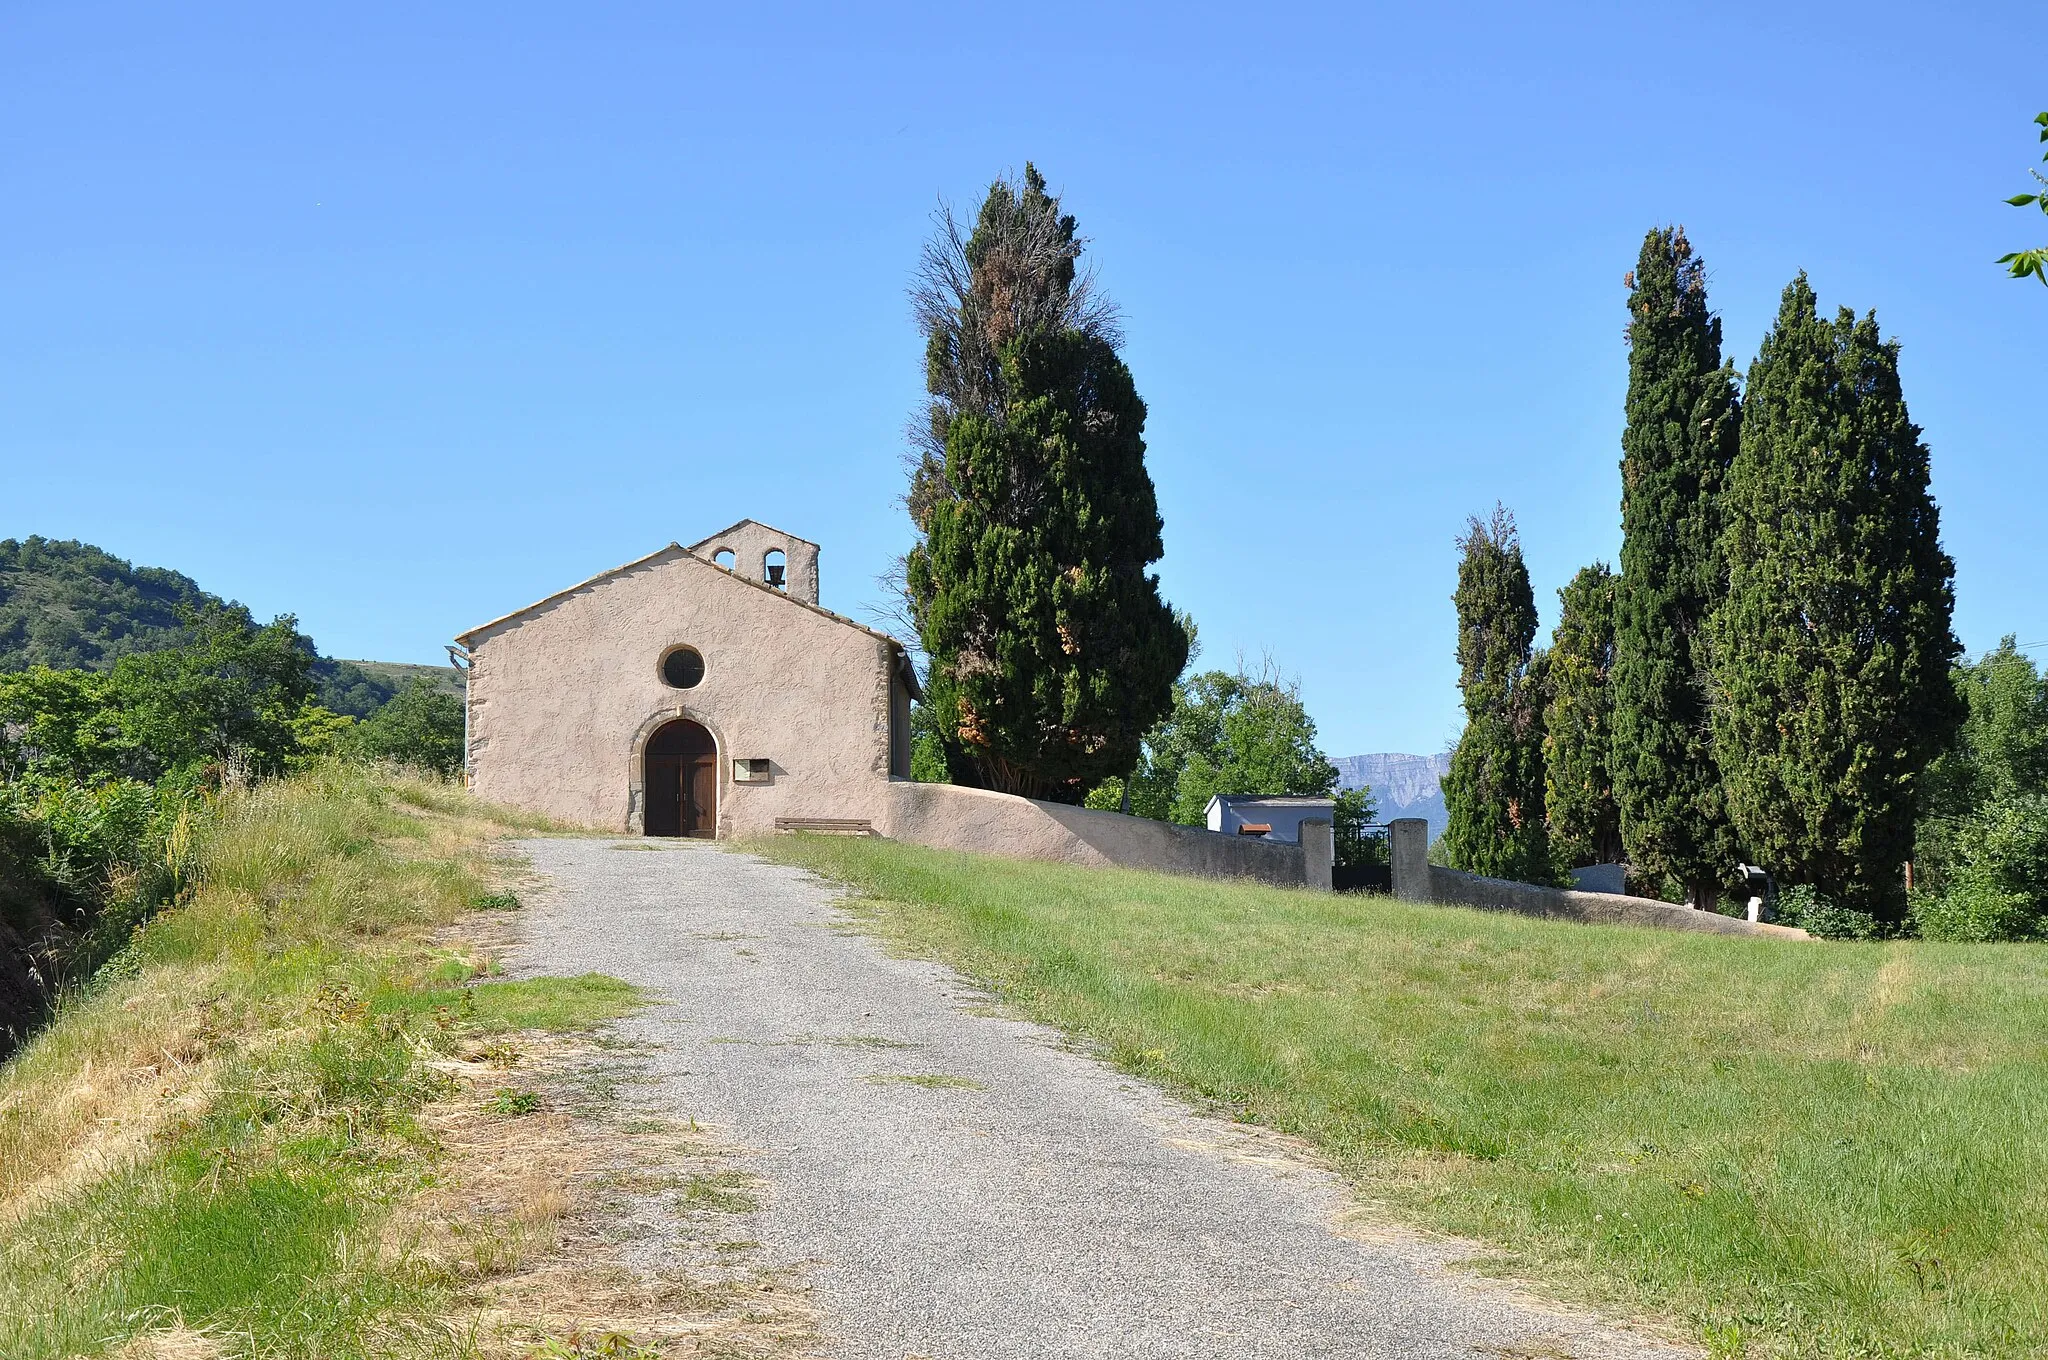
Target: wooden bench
{"x": 829, "y": 826}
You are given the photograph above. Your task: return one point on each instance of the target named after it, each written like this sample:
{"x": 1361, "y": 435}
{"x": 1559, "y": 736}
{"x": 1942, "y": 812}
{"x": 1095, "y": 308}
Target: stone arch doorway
{"x": 682, "y": 781}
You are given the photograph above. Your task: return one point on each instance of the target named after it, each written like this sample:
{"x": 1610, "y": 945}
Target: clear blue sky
{"x": 398, "y": 317}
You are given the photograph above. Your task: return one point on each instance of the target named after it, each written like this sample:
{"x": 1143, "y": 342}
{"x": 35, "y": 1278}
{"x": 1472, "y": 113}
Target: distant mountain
{"x": 72, "y": 606}
{"x": 1402, "y": 785}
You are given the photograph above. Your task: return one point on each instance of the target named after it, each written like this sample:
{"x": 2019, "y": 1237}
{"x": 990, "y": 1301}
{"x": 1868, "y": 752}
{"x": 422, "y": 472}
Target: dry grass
{"x": 129, "y": 1060}
{"x": 269, "y": 1129}
{"x": 129, "y": 1056}
{"x": 577, "y": 1222}
{"x": 171, "y": 1343}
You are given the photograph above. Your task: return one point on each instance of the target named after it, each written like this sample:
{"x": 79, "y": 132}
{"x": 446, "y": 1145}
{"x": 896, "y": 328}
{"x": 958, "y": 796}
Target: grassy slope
{"x": 1829, "y": 1150}
{"x": 214, "y": 1136}
{"x": 398, "y": 674}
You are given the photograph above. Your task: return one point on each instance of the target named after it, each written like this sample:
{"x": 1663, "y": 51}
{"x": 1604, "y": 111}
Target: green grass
{"x": 257, "y": 1221}
{"x": 274, "y": 1038}
{"x": 557, "y": 1005}
{"x": 722, "y": 1192}
{"x": 1798, "y": 1149}
{"x": 930, "y": 1081}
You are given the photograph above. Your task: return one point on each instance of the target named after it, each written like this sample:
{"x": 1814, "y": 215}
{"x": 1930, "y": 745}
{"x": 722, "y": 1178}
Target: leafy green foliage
{"x": 1494, "y": 790}
{"x": 1228, "y": 732}
{"x": 1680, "y": 438}
{"x": 227, "y": 698}
{"x": 2001, "y": 748}
{"x": 421, "y": 727}
{"x": 1971, "y": 883}
{"x": 100, "y": 780}
{"x": 1996, "y": 887}
{"x": 1832, "y": 649}
{"x": 2021, "y": 263}
{"x": 927, "y": 747}
{"x": 348, "y": 689}
{"x": 61, "y": 725}
{"x": 1804, "y": 906}
{"x": 1050, "y": 649}
{"x": 1578, "y": 738}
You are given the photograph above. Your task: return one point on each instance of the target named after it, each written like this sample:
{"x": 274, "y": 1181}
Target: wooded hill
{"x": 72, "y": 606}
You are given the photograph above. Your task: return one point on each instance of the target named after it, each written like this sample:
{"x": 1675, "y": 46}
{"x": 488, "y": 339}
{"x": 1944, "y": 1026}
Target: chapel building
{"x": 697, "y": 691}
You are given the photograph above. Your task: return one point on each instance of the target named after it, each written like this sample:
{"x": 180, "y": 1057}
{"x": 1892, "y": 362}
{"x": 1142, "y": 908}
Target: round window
{"x": 683, "y": 668}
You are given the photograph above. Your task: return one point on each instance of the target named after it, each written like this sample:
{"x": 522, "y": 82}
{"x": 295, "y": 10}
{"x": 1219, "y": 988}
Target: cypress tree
{"x": 1494, "y": 790}
{"x": 1578, "y": 793}
{"x": 1832, "y": 650}
{"x": 1051, "y": 651}
{"x": 1680, "y": 437}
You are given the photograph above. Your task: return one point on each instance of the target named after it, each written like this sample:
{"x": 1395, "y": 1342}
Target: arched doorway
{"x": 682, "y": 781}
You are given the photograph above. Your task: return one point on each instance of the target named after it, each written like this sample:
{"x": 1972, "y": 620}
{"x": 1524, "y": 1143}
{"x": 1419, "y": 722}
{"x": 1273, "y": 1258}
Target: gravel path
{"x": 965, "y": 1186}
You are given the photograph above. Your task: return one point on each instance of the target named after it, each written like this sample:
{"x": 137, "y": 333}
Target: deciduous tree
{"x": 226, "y": 699}
{"x": 421, "y": 727}
{"x": 1239, "y": 732}
{"x": 2021, "y": 263}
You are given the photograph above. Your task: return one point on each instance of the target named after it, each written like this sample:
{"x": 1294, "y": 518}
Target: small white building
{"x": 1273, "y": 818}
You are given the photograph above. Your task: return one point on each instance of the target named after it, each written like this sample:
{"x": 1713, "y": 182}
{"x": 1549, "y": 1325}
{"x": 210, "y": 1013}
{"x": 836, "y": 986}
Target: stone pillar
{"x": 1318, "y": 854}
{"x": 1408, "y": 846}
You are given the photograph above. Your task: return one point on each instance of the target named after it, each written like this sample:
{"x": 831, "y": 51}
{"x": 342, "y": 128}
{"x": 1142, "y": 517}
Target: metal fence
{"x": 1370, "y": 865}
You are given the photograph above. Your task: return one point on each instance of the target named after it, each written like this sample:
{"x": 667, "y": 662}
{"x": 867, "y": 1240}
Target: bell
{"x": 775, "y": 574}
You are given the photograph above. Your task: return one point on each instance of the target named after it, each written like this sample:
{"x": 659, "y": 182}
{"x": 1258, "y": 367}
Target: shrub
{"x": 106, "y": 855}
{"x": 1997, "y": 888}
{"x": 1802, "y": 905}
{"x": 421, "y": 727}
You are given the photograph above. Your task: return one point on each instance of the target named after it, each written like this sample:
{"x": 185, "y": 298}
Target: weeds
{"x": 609, "y": 1346}
{"x": 725, "y": 1192}
{"x": 930, "y": 1081}
{"x": 512, "y": 1101}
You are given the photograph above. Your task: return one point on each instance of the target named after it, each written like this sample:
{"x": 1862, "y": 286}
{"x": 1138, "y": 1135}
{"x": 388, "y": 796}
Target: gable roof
{"x": 678, "y": 552}
{"x": 703, "y": 543}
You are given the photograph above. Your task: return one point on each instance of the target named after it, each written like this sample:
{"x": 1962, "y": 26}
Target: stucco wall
{"x": 562, "y": 698}
{"x": 1451, "y": 888}
{"x": 749, "y": 541}
{"x": 953, "y": 818}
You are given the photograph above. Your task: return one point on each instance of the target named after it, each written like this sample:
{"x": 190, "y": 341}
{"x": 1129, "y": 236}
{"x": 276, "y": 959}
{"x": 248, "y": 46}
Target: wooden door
{"x": 680, "y": 781}
{"x": 699, "y": 784}
{"x": 664, "y": 796}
